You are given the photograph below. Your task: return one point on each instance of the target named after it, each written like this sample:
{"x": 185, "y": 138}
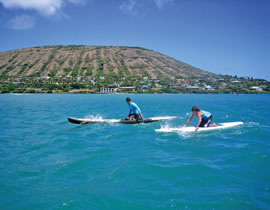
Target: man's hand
{"x": 196, "y": 129}
{"x": 185, "y": 125}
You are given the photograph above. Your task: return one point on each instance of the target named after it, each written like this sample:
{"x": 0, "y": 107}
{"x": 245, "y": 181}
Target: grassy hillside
{"x": 90, "y": 61}
{"x": 88, "y": 69}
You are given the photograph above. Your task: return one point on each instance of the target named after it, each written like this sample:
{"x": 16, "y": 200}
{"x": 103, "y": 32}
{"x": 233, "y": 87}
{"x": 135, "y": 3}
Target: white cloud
{"x": 128, "y": 7}
{"x": 45, "y": 7}
{"x": 161, "y": 3}
{"x": 22, "y": 22}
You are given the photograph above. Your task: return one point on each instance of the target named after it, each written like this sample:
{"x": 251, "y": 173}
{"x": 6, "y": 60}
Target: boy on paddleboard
{"x": 205, "y": 118}
{"x": 134, "y": 111}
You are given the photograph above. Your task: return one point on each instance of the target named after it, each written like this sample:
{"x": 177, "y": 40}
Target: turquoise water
{"x": 48, "y": 163}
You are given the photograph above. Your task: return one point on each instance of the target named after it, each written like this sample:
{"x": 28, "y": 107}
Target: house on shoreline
{"x": 106, "y": 90}
{"x": 126, "y": 89}
{"x": 114, "y": 89}
{"x": 256, "y": 88}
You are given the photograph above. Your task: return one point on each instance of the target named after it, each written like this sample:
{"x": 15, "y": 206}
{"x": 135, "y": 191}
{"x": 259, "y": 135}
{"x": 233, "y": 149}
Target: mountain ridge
{"x": 98, "y": 69}
{"x": 78, "y": 59}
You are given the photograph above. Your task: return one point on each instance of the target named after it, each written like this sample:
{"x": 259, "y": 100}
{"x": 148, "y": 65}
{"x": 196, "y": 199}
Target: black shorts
{"x": 206, "y": 122}
{"x": 136, "y": 116}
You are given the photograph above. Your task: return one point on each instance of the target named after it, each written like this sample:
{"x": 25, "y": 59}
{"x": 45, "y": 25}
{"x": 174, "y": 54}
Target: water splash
{"x": 252, "y": 124}
{"x": 166, "y": 128}
{"x": 97, "y": 118}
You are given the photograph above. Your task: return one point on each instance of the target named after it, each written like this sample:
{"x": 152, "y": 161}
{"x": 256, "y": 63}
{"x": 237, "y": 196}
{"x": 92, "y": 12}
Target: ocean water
{"x": 48, "y": 163}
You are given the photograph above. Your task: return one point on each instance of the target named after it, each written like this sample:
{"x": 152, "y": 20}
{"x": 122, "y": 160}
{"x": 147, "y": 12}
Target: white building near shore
{"x": 107, "y": 90}
{"x": 259, "y": 89}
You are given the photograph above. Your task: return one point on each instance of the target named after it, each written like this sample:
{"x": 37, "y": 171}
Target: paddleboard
{"x": 192, "y": 129}
{"x": 148, "y": 120}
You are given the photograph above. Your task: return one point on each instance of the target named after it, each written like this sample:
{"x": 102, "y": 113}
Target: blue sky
{"x": 222, "y": 36}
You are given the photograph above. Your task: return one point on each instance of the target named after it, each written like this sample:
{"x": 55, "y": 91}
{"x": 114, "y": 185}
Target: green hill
{"x": 86, "y": 60}
{"x": 88, "y": 68}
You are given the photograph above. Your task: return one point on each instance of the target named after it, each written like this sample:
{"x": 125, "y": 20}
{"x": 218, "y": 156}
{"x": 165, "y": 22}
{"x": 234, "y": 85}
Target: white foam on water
{"x": 97, "y": 118}
{"x": 252, "y": 124}
{"x": 166, "y": 128}
{"x": 256, "y": 125}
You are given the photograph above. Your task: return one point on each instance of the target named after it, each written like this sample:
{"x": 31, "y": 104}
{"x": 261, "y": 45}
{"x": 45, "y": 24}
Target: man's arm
{"x": 139, "y": 111}
{"x": 199, "y": 122}
{"x": 189, "y": 119}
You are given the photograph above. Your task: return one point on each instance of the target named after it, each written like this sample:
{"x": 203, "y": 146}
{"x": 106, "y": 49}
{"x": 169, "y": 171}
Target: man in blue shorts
{"x": 205, "y": 118}
{"x": 134, "y": 111}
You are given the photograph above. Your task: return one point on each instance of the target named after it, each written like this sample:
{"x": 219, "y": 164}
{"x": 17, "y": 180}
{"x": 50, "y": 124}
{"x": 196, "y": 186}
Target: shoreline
{"x": 60, "y": 93}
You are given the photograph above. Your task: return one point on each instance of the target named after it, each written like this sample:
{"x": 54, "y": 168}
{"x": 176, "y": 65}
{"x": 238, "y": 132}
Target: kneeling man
{"x": 134, "y": 111}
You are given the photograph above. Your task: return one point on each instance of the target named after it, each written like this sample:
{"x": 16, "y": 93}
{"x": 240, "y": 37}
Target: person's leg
{"x": 213, "y": 125}
{"x": 137, "y": 117}
{"x": 132, "y": 117}
{"x": 209, "y": 122}
{"x": 203, "y": 122}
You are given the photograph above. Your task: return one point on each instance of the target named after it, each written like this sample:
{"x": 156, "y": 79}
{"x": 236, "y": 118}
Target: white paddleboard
{"x": 192, "y": 128}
